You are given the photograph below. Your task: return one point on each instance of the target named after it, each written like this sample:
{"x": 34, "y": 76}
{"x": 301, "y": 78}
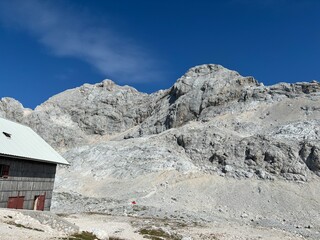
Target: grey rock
{"x": 220, "y": 122}
{"x": 201, "y": 90}
{"x": 52, "y": 220}
{"x": 124, "y": 145}
{"x": 13, "y": 110}
{"x": 101, "y": 235}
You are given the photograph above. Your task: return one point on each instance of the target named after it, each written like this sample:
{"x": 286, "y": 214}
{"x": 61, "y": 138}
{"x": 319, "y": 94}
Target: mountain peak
{"x": 107, "y": 83}
{"x": 206, "y": 69}
{"x": 212, "y": 76}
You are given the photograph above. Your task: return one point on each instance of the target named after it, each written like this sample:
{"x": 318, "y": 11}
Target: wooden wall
{"x": 27, "y": 178}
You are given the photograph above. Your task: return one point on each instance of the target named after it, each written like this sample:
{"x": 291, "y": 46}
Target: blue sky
{"x": 50, "y": 46}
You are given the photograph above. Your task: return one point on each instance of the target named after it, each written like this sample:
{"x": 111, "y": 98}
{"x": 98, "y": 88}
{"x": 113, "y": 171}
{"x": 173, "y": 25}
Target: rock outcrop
{"x": 220, "y": 121}
{"x": 211, "y": 122}
{"x": 242, "y": 128}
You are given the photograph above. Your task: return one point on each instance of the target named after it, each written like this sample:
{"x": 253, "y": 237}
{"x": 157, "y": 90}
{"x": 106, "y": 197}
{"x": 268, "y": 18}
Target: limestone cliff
{"x": 212, "y": 123}
{"x": 218, "y": 120}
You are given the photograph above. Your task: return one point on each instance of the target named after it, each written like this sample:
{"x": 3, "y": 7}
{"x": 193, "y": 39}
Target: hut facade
{"x": 27, "y": 168}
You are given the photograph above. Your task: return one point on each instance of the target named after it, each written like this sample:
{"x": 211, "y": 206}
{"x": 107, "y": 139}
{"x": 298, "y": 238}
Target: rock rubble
{"x": 124, "y": 145}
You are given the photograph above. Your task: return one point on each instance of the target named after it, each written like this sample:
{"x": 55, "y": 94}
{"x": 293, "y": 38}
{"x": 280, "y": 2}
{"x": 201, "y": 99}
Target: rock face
{"x": 220, "y": 121}
{"x": 79, "y": 116}
{"x": 201, "y": 90}
{"x": 211, "y": 122}
{"x": 12, "y": 109}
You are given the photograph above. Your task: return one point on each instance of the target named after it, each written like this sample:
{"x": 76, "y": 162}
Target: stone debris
{"x": 214, "y": 138}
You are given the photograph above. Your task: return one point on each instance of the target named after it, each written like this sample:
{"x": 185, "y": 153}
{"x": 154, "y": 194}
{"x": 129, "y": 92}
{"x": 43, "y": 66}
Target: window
{"x": 8, "y": 135}
{"x": 4, "y": 170}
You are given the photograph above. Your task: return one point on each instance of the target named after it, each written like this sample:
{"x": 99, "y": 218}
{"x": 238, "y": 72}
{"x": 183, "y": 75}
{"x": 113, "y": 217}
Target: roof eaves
{"x": 32, "y": 159}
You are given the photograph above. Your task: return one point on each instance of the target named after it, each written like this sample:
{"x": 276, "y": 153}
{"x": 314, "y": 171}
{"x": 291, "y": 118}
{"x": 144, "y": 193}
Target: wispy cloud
{"x": 70, "y": 34}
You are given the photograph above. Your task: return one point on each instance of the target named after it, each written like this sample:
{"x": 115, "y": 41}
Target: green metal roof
{"x": 17, "y": 140}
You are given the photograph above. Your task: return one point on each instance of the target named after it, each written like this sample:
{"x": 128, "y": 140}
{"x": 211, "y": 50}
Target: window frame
{"x": 4, "y": 170}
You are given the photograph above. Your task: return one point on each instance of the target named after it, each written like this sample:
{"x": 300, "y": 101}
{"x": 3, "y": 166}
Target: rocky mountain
{"x": 232, "y": 147}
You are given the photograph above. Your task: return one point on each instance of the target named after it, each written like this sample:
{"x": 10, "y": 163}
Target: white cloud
{"x": 71, "y": 34}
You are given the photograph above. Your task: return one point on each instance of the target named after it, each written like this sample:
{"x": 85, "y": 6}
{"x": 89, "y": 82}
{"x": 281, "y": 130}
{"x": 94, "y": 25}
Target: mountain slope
{"x": 215, "y": 145}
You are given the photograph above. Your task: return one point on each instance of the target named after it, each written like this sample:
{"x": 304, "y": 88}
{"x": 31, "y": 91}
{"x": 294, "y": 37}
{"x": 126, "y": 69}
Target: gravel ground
{"x": 288, "y": 206}
{"x": 128, "y": 228}
{"x": 16, "y": 225}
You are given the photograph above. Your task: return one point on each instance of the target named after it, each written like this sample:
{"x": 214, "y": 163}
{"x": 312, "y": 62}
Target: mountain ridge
{"x": 209, "y": 93}
{"x": 211, "y": 131}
